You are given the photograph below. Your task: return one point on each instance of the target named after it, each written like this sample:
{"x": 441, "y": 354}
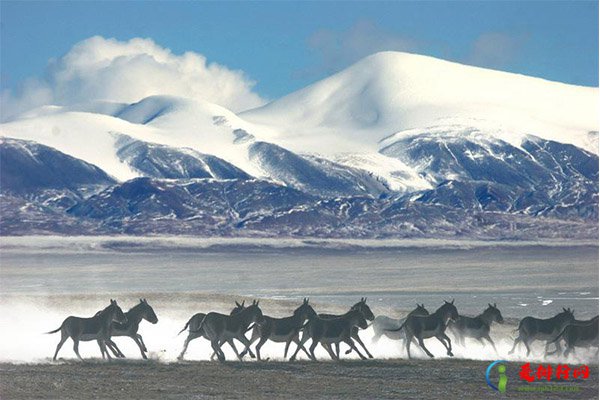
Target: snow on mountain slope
{"x": 398, "y": 176}
{"x": 390, "y": 92}
{"x": 312, "y": 174}
{"x": 85, "y": 136}
{"x": 163, "y": 127}
{"x": 159, "y": 161}
{"x": 28, "y": 166}
{"x": 165, "y": 120}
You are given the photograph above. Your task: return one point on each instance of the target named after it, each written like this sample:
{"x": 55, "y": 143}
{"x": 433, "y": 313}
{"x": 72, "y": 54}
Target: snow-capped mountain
{"x": 27, "y": 166}
{"x": 390, "y": 92}
{"x": 395, "y": 145}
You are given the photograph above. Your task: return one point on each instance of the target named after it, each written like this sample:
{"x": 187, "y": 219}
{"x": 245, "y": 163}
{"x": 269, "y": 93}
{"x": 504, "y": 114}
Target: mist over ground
{"x": 45, "y": 281}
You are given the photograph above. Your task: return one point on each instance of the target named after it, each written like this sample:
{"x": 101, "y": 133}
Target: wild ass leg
{"x": 568, "y": 350}
{"x": 409, "y": 339}
{"x": 247, "y": 344}
{"x": 312, "y": 348}
{"x": 489, "y": 339}
{"x": 526, "y": 343}
{"x": 444, "y": 336}
{"x": 301, "y": 346}
{"x": 217, "y": 349}
{"x": 260, "y": 344}
{"x": 103, "y": 350}
{"x": 517, "y": 341}
{"x": 232, "y": 345}
{"x": 138, "y": 341}
{"x": 191, "y": 336}
{"x": 112, "y": 346}
{"x": 287, "y": 346}
{"x": 357, "y": 338}
{"x": 63, "y": 339}
{"x": 327, "y": 347}
{"x": 422, "y": 344}
{"x": 557, "y": 348}
{"x": 350, "y": 343}
{"x": 296, "y": 340}
{"x": 213, "y": 355}
{"x": 139, "y": 337}
{"x": 76, "y": 348}
{"x": 443, "y": 341}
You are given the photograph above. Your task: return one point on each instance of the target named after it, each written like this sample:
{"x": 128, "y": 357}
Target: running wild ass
{"x": 220, "y": 328}
{"x": 135, "y": 315}
{"x": 433, "y": 325}
{"x": 366, "y": 312}
{"x": 85, "y": 329}
{"x": 382, "y": 324}
{"x": 578, "y": 334}
{"x": 332, "y": 331}
{"x": 196, "y": 331}
{"x": 476, "y": 327}
{"x": 531, "y": 329}
{"x": 282, "y": 330}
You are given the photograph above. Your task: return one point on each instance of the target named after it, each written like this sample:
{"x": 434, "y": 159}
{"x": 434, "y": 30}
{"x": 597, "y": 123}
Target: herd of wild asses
{"x": 328, "y": 330}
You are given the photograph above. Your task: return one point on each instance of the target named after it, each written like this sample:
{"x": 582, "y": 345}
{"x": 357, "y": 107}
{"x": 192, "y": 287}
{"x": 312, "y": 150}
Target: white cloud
{"x": 112, "y": 70}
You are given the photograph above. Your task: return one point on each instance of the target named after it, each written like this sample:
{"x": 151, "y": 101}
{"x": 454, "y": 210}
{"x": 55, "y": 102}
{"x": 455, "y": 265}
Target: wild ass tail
{"x": 201, "y": 326}
{"x": 186, "y": 326}
{"x": 54, "y": 331}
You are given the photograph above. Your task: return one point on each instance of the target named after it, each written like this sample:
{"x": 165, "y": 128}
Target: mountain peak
{"x": 389, "y": 92}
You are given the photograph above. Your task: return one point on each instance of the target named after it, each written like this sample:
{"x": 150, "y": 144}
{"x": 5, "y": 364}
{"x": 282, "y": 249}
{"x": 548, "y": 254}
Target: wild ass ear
{"x": 490, "y": 305}
{"x": 495, "y": 306}
{"x": 237, "y": 304}
{"x": 452, "y": 302}
{"x": 243, "y": 303}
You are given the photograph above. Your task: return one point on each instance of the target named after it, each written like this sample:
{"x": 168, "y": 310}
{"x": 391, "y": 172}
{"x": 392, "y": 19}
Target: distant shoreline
{"x": 190, "y": 243}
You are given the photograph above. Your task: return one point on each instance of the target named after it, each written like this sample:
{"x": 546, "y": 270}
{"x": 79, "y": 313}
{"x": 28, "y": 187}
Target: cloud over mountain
{"x": 128, "y": 71}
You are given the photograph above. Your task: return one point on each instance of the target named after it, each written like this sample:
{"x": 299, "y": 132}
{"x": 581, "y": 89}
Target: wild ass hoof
{"x": 450, "y": 354}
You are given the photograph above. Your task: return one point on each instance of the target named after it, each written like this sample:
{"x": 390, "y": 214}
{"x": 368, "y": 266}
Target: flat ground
{"x": 397, "y": 379}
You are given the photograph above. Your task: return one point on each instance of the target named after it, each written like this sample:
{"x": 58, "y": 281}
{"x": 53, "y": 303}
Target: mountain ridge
{"x": 391, "y": 145}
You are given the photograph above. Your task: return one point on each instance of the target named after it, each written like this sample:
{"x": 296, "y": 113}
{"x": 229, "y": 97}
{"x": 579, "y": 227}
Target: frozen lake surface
{"x": 523, "y": 278}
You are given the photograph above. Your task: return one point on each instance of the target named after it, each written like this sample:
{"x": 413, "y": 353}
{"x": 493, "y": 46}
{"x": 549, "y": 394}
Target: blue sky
{"x": 284, "y": 46}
